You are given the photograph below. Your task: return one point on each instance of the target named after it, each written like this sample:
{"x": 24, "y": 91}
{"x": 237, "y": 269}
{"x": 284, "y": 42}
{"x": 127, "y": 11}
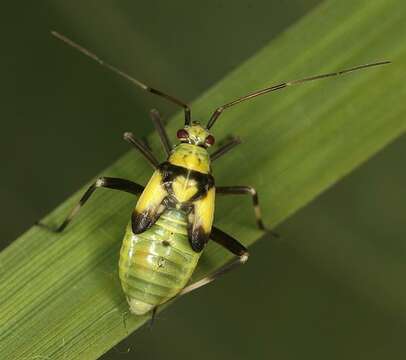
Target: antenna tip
{"x": 57, "y": 35}
{"x": 383, "y": 62}
{"x": 127, "y": 135}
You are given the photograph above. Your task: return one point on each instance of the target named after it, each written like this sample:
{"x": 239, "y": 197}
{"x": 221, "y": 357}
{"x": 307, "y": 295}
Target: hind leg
{"x": 231, "y": 244}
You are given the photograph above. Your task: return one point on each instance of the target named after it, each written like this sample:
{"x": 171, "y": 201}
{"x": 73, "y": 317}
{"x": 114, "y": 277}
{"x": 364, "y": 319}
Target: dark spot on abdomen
{"x": 161, "y": 262}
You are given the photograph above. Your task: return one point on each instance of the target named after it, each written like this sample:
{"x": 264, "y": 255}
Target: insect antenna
{"x": 283, "y": 85}
{"x": 125, "y": 76}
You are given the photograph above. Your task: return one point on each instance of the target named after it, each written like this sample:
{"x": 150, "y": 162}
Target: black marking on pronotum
{"x": 170, "y": 172}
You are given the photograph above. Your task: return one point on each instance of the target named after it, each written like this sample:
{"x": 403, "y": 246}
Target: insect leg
{"x": 142, "y": 148}
{"x": 230, "y": 244}
{"x": 225, "y": 148}
{"x": 106, "y": 182}
{"x": 153, "y": 316}
{"x": 244, "y": 190}
{"x": 160, "y": 128}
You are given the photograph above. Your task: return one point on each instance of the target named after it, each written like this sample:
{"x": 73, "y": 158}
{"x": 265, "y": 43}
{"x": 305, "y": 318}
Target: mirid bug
{"x": 173, "y": 218}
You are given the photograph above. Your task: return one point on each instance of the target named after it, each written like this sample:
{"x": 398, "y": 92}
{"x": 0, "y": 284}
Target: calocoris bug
{"x": 173, "y": 218}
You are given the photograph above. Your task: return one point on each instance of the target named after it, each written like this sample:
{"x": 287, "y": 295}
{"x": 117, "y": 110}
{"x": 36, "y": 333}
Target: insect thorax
{"x": 192, "y": 157}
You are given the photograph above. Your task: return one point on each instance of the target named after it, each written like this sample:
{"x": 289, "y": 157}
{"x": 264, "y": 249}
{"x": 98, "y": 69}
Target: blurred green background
{"x": 331, "y": 287}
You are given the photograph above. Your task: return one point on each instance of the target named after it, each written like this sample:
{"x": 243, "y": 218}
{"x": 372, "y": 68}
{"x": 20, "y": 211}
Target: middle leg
{"x": 143, "y": 147}
{"x": 231, "y": 144}
{"x": 244, "y": 190}
{"x": 102, "y": 182}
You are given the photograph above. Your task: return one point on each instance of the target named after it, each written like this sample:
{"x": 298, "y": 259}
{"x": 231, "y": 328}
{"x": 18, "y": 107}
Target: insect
{"x": 173, "y": 217}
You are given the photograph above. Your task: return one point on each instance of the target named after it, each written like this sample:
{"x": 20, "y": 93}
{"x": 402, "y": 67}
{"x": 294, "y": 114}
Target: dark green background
{"x": 331, "y": 287}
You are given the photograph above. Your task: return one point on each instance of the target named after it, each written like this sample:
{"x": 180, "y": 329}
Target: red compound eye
{"x": 182, "y": 134}
{"x": 210, "y": 140}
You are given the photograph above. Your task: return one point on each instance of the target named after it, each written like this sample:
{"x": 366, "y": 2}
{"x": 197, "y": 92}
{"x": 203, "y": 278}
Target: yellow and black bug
{"x": 173, "y": 218}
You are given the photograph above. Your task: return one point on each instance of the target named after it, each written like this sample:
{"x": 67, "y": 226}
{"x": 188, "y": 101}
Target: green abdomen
{"x": 156, "y": 264}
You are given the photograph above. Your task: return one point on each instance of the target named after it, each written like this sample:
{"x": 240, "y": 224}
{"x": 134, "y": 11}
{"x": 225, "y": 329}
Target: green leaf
{"x": 59, "y": 294}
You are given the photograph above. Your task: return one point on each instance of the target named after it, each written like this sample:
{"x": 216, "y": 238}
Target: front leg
{"x": 160, "y": 128}
{"x": 142, "y": 148}
{"x": 231, "y": 144}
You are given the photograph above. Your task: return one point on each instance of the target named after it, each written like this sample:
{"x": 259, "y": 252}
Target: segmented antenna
{"x": 283, "y": 85}
{"x": 124, "y": 75}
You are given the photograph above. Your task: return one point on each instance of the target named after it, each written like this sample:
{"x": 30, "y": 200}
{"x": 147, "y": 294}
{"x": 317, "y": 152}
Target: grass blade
{"x": 60, "y": 296}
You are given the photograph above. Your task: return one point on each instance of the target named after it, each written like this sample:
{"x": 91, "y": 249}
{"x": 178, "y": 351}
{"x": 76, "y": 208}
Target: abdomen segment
{"x": 156, "y": 264}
